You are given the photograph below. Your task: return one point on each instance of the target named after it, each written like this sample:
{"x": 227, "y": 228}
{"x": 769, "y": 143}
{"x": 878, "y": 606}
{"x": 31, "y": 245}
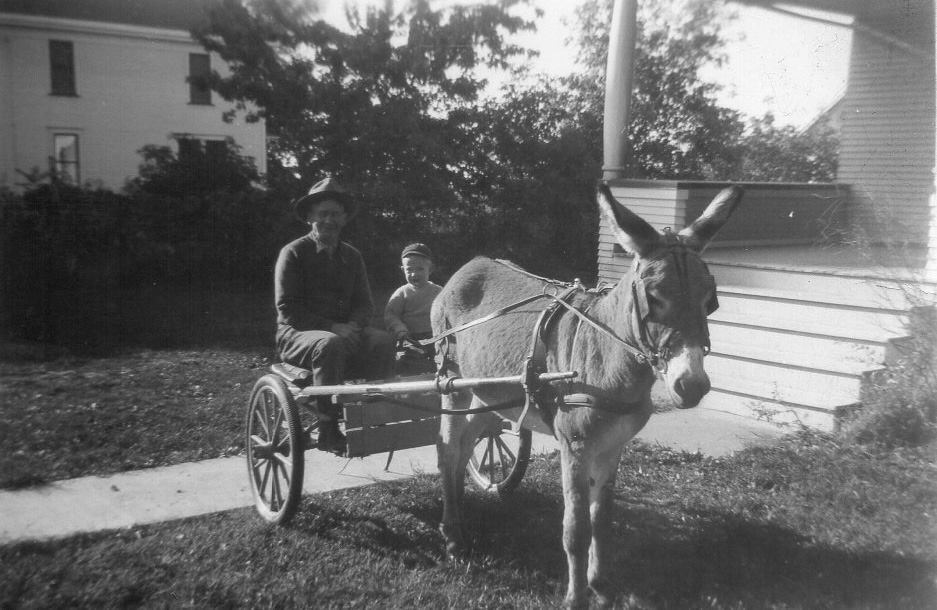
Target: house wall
{"x": 772, "y": 214}
{"x": 131, "y": 91}
{"x": 887, "y": 140}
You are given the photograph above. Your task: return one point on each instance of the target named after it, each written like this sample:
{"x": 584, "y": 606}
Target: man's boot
{"x": 331, "y": 438}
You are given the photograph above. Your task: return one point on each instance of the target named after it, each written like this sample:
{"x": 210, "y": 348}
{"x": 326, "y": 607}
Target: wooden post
{"x": 930, "y": 267}
{"x": 619, "y": 74}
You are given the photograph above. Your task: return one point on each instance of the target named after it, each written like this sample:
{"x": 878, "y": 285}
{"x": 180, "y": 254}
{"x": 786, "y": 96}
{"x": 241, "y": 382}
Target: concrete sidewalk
{"x": 87, "y": 504}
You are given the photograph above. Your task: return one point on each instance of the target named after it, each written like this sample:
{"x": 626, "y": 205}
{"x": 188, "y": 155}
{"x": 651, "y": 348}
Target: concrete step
{"x": 850, "y": 356}
{"x": 813, "y": 388}
{"x": 857, "y": 290}
{"x": 805, "y": 316}
{"x": 771, "y": 411}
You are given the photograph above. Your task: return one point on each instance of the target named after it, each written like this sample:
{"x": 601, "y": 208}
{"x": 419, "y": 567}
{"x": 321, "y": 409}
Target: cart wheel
{"x": 499, "y": 459}
{"x": 274, "y": 450}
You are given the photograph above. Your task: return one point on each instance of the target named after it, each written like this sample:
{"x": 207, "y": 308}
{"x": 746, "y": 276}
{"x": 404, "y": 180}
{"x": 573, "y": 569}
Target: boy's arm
{"x": 392, "y": 314}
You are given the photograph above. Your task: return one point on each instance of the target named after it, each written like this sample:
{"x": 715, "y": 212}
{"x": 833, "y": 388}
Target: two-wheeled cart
{"x": 281, "y": 424}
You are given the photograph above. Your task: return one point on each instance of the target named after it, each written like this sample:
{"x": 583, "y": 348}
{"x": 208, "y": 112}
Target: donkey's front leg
{"x": 576, "y": 525}
{"x": 601, "y": 492}
{"x": 453, "y": 449}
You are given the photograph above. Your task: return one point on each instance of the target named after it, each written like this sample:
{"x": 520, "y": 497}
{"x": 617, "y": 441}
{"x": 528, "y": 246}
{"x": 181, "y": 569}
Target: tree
{"x": 390, "y": 108}
{"x": 677, "y": 129}
{"x": 784, "y": 154}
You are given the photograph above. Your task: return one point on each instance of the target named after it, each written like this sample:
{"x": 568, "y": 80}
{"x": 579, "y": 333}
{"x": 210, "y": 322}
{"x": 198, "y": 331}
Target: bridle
{"x": 675, "y": 250}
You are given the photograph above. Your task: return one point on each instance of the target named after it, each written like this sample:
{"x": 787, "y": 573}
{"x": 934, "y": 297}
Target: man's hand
{"x": 350, "y": 332}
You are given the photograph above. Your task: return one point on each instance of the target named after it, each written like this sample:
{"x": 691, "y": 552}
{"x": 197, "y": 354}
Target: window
{"x": 62, "y": 67}
{"x": 199, "y": 71}
{"x": 65, "y": 156}
{"x": 192, "y": 149}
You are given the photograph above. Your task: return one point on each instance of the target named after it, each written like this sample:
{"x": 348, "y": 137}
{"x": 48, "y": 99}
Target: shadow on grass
{"x": 663, "y": 557}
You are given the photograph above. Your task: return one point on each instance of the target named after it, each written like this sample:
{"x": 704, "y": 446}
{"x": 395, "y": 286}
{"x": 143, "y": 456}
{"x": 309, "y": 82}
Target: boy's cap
{"x": 417, "y": 249}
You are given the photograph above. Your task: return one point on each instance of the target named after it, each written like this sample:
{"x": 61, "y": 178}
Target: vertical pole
{"x": 619, "y": 74}
{"x": 930, "y": 267}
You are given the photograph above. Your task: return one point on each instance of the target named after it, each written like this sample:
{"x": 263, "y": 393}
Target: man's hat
{"x": 328, "y": 188}
{"x": 417, "y": 249}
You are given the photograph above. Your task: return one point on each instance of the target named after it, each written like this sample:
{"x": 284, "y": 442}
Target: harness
{"x": 543, "y": 396}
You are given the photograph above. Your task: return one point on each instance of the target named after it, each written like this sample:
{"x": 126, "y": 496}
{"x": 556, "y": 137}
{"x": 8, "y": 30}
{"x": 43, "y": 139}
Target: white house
{"x": 85, "y": 84}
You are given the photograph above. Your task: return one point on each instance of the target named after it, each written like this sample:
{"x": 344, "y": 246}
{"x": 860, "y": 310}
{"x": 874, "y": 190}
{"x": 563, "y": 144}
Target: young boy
{"x": 407, "y": 313}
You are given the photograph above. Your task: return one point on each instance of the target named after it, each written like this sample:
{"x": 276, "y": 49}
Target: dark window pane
{"x": 62, "y": 67}
{"x": 199, "y": 70}
{"x": 189, "y": 149}
{"x": 216, "y": 150}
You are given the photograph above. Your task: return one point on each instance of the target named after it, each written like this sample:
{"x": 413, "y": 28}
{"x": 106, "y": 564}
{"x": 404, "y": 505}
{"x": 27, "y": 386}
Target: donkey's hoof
{"x": 455, "y": 552}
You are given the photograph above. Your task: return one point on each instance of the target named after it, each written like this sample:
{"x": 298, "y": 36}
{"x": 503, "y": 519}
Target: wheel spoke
{"x": 277, "y": 492}
{"x": 278, "y": 420}
{"x": 262, "y": 488}
{"x": 285, "y": 467}
{"x": 487, "y": 463}
{"x": 257, "y": 418}
{"x": 283, "y": 460}
{"x": 263, "y": 413}
{"x": 507, "y": 456}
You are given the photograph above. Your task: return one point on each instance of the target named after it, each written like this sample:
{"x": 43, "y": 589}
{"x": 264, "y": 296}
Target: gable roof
{"x": 171, "y": 14}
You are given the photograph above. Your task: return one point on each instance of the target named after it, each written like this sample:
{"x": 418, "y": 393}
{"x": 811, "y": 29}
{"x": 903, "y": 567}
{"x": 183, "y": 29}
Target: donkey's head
{"x": 671, "y": 290}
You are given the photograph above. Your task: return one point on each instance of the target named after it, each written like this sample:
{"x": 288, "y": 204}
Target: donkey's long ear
{"x": 632, "y": 232}
{"x": 704, "y": 228}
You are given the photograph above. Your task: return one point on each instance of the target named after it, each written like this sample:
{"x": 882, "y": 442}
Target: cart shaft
{"x": 443, "y": 385}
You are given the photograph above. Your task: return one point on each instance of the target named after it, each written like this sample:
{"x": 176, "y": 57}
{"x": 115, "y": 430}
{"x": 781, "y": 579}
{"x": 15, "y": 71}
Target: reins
{"x": 647, "y": 355}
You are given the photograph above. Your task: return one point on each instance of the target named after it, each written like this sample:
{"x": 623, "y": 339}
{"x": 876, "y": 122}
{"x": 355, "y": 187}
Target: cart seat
{"x": 295, "y": 375}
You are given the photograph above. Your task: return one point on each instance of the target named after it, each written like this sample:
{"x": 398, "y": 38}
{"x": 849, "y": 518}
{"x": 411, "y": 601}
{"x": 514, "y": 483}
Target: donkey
{"x": 652, "y": 321}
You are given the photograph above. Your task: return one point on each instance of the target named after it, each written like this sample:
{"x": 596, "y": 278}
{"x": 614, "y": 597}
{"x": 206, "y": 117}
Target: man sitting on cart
{"x": 324, "y": 305}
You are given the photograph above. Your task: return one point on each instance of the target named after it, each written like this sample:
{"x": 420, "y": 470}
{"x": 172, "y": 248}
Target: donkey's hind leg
{"x": 457, "y": 434}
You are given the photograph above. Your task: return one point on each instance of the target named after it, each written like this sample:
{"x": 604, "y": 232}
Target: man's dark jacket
{"x": 315, "y": 290}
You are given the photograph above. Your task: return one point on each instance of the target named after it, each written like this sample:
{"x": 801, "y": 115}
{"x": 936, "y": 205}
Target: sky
{"x": 791, "y": 67}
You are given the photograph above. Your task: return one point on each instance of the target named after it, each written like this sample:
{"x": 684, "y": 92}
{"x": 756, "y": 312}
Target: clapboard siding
{"x": 887, "y": 140}
{"x": 773, "y": 214}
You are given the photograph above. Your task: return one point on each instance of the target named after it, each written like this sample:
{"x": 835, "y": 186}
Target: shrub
{"x": 900, "y": 407}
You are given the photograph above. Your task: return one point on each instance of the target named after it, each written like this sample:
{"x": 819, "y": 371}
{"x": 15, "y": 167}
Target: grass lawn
{"x": 158, "y": 377}
{"x": 805, "y": 523}
{"x": 798, "y": 525}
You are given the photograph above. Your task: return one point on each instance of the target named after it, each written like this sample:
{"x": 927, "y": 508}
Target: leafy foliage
{"x": 783, "y": 154}
{"x": 678, "y": 130}
{"x": 200, "y": 171}
{"x": 390, "y": 108}
{"x": 899, "y": 409}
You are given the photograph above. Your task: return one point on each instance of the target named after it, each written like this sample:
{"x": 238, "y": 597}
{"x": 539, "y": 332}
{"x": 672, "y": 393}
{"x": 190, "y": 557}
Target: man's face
{"x": 416, "y": 269}
{"x": 327, "y": 218}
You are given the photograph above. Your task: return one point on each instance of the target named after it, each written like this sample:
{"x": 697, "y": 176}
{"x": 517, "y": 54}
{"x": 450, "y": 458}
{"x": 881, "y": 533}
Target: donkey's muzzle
{"x": 690, "y": 390}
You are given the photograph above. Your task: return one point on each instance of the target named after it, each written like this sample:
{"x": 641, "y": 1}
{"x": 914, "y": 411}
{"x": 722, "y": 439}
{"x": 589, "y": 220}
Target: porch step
{"x": 798, "y": 351}
{"x": 764, "y": 409}
{"x": 815, "y": 388}
{"x": 836, "y": 354}
{"x": 822, "y": 286}
{"x": 797, "y": 312}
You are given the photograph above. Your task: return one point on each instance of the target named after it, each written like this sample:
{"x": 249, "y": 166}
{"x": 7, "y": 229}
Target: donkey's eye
{"x": 659, "y": 306}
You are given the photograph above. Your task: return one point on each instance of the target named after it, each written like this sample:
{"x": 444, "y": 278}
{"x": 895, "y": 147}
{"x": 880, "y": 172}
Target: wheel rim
{"x": 270, "y": 452}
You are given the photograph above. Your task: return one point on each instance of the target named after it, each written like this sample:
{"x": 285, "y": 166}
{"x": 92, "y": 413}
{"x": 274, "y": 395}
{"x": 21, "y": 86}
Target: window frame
{"x": 60, "y": 166}
{"x": 62, "y": 68}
